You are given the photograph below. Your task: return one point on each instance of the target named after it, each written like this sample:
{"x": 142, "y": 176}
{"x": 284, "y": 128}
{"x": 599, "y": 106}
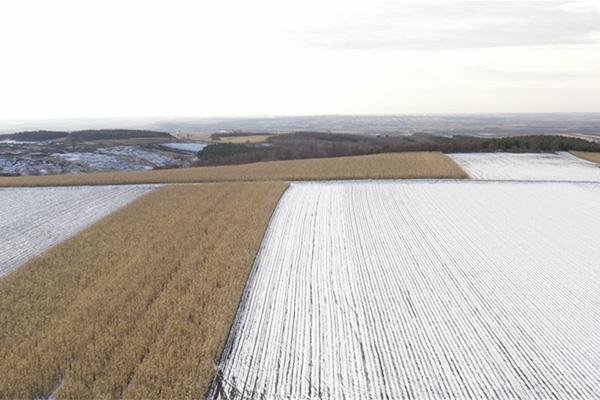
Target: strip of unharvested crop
{"x": 380, "y": 166}
{"x": 586, "y": 155}
{"x": 561, "y": 166}
{"x": 139, "y": 304}
{"x": 452, "y": 290}
{"x": 32, "y": 220}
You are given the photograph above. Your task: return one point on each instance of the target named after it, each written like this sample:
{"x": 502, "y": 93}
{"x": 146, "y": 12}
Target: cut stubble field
{"x": 243, "y": 139}
{"x": 380, "y": 166}
{"x": 586, "y": 155}
{"x": 139, "y": 304}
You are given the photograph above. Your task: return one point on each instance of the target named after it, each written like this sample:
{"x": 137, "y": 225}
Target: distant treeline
{"x": 83, "y": 135}
{"x": 518, "y": 144}
{"x": 302, "y": 145}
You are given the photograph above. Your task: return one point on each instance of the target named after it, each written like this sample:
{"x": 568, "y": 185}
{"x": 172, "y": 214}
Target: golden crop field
{"x": 138, "y": 305}
{"x": 379, "y": 166}
{"x": 586, "y": 155}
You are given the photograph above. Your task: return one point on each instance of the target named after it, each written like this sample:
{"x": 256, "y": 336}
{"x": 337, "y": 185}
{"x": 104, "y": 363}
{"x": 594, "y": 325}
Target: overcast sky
{"x": 116, "y": 58}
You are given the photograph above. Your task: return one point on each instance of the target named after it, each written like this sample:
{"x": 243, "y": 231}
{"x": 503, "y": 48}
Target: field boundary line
{"x": 214, "y": 387}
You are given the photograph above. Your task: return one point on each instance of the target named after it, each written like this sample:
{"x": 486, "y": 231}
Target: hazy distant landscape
{"x": 76, "y": 146}
{"x": 46, "y": 152}
{"x": 401, "y": 124}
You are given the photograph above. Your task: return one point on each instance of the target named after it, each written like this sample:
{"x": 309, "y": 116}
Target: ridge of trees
{"x": 301, "y": 145}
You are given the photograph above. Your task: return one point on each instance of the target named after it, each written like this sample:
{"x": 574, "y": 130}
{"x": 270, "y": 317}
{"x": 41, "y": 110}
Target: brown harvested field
{"x": 207, "y": 138}
{"x": 379, "y": 166}
{"x": 586, "y": 155}
{"x": 242, "y": 139}
{"x": 139, "y": 305}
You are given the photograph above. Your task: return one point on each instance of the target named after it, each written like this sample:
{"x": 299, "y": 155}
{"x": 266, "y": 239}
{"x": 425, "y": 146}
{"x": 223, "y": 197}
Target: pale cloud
{"x": 453, "y": 24}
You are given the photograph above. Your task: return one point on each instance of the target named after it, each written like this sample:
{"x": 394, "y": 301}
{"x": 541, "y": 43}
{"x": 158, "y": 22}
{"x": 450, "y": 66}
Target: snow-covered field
{"x": 422, "y": 290}
{"x": 190, "y": 147}
{"x": 9, "y": 141}
{"x": 32, "y": 220}
{"x": 561, "y": 166}
{"x": 125, "y": 158}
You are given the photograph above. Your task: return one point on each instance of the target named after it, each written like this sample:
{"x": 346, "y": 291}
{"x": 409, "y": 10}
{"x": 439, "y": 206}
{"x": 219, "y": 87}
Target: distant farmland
{"x": 240, "y": 138}
{"x": 381, "y": 166}
{"x": 137, "y": 305}
{"x": 452, "y": 290}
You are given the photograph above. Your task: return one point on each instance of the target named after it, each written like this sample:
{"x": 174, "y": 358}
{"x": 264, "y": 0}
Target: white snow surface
{"x": 10, "y": 141}
{"x": 422, "y": 290}
{"x": 119, "y": 158}
{"x": 191, "y": 147}
{"x": 560, "y": 166}
{"x": 33, "y": 219}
